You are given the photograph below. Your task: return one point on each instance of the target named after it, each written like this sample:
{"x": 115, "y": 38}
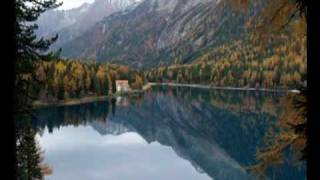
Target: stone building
{"x": 122, "y": 86}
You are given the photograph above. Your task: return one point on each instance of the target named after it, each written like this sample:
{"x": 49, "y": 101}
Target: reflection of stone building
{"x": 121, "y": 101}
{"x": 122, "y": 85}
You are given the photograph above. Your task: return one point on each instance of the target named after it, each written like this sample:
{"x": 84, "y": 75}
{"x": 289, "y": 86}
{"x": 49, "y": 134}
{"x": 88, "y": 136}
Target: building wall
{"x": 122, "y": 87}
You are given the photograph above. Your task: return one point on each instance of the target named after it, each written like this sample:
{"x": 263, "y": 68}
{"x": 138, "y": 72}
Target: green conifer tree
{"x": 30, "y": 50}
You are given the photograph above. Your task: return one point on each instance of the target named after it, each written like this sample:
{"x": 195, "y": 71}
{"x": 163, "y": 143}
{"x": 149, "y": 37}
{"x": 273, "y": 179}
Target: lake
{"x": 168, "y": 133}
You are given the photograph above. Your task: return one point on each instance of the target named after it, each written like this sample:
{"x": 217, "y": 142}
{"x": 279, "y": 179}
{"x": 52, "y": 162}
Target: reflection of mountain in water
{"x": 109, "y": 128}
{"x": 215, "y": 140}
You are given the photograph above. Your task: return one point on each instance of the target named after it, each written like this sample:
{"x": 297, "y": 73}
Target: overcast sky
{"x": 68, "y": 4}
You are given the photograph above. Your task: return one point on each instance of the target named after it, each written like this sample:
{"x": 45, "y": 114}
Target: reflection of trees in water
{"x": 235, "y": 101}
{"x": 73, "y": 115}
{"x": 215, "y": 111}
{"x": 245, "y": 102}
{"x": 285, "y": 139}
{"x": 29, "y": 155}
{"x": 290, "y": 139}
{"x": 249, "y": 106}
{"x": 183, "y": 118}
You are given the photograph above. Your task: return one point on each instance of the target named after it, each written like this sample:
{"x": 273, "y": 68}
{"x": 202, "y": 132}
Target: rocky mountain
{"x": 158, "y": 32}
{"x": 71, "y": 23}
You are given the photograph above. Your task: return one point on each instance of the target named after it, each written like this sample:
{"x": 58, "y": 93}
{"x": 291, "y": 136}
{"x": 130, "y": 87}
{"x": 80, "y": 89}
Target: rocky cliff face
{"x": 69, "y": 24}
{"x": 158, "y": 32}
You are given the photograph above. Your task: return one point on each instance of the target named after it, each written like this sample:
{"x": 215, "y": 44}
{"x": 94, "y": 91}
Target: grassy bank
{"x": 88, "y": 99}
{"x": 69, "y": 102}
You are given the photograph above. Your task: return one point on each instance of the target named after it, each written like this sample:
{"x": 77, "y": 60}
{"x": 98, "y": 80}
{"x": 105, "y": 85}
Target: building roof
{"x": 122, "y": 82}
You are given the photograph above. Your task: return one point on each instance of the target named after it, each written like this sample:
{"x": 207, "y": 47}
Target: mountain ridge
{"x": 69, "y": 24}
{"x": 155, "y": 33}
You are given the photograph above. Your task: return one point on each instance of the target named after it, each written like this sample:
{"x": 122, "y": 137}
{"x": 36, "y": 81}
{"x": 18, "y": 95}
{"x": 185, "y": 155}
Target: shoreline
{"x": 222, "y": 88}
{"x": 70, "y": 102}
{"x": 84, "y": 100}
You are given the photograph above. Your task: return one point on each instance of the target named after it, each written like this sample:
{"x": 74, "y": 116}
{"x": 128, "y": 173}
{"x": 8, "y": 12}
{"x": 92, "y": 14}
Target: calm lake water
{"x": 166, "y": 134}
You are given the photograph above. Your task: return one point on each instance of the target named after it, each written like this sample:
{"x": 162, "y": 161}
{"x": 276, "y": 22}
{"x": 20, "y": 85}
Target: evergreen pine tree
{"x": 28, "y": 154}
{"x": 30, "y": 50}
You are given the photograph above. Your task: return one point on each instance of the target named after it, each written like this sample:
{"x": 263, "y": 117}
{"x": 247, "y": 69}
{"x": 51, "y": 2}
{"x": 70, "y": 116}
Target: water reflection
{"x": 169, "y": 133}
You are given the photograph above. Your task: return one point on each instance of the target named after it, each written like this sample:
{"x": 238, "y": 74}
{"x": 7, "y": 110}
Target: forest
{"x": 277, "y": 64}
{"x": 280, "y": 63}
{"x": 61, "y": 79}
